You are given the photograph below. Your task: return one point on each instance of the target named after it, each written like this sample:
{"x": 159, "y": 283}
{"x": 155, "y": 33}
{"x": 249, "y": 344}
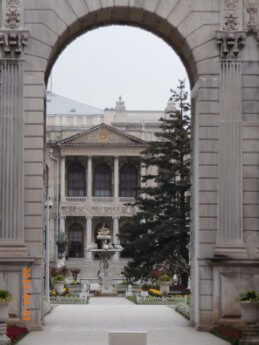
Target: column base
{"x": 237, "y": 251}
{"x": 10, "y": 249}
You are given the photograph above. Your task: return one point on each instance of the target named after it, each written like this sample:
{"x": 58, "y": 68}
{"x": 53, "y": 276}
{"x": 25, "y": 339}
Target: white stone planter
{"x": 4, "y": 312}
{"x": 59, "y": 287}
{"x": 164, "y": 288}
{"x": 250, "y": 312}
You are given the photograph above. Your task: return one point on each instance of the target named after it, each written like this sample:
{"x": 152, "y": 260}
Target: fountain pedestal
{"x": 105, "y": 253}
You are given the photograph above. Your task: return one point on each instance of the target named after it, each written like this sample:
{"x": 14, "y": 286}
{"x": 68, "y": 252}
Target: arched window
{"x": 102, "y": 180}
{"x": 128, "y": 181}
{"x": 76, "y": 180}
{"x": 75, "y": 241}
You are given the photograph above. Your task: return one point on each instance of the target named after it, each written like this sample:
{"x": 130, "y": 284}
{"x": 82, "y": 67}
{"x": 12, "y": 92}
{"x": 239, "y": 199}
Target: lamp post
{"x": 48, "y": 205}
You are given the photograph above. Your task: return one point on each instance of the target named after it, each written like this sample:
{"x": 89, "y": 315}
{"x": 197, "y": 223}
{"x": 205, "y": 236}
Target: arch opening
{"x": 136, "y": 17}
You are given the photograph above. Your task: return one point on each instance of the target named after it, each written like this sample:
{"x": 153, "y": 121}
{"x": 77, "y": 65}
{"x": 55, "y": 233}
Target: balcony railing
{"x": 106, "y": 200}
{"x": 76, "y": 198}
{"x": 101, "y": 199}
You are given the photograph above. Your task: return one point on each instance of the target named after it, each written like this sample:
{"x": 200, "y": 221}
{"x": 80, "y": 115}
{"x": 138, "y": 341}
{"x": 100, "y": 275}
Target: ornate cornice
{"x": 230, "y": 44}
{"x": 12, "y": 43}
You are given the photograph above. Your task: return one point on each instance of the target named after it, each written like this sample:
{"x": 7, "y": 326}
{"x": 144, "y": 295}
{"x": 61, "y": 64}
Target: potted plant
{"x": 5, "y": 298}
{"x": 59, "y": 283}
{"x": 249, "y": 302}
{"x": 164, "y": 283}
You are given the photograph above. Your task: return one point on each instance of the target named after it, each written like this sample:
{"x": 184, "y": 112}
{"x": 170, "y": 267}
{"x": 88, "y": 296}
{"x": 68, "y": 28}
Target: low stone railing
{"x": 68, "y": 300}
{"x": 172, "y": 300}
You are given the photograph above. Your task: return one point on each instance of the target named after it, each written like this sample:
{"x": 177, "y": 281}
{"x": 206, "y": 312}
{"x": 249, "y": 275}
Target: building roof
{"x": 59, "y": 105}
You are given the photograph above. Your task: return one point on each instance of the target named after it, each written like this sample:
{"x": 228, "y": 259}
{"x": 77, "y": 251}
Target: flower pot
{"x": 250, "y": 312}
{"x": 59, "y": 287}
{"x": 4, "y": 316}
{"x": 164, "y": 288}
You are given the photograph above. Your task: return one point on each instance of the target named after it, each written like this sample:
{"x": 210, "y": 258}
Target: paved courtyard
{"x": 89, "y": 325}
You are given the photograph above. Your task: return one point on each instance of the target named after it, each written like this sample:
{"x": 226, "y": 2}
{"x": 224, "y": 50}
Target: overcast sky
{"x": 105, "y": 63}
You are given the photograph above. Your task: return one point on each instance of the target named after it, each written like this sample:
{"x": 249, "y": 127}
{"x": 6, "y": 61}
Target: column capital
{"x": 89, "y": 217}
{"x": 116, "y": 217}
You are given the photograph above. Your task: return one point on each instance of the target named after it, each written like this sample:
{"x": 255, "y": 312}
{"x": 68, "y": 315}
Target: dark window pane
{"x": 76, "y": 180}
{"x": 128, "y": 181}
{"x": 75, "y": 242}
{"x": 102, "y": 180}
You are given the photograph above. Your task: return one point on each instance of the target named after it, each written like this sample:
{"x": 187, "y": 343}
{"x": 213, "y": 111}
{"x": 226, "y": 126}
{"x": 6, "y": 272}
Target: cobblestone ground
{"x": 89, "y": 325}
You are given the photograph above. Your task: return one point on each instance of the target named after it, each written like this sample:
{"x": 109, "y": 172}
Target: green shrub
{"x": 59, "y": 278}
{"x": 249, "y": 296}
{"x": 5, "y": 296}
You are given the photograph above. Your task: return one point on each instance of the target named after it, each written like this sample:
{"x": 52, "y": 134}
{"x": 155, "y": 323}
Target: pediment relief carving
{"x": 102, "y": 135}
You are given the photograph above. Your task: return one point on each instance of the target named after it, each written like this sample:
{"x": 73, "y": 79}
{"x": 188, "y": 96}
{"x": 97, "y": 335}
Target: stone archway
{"x": 34, "y": 33}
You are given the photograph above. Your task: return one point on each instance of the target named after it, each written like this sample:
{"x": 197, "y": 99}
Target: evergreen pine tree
{"x": 157, "y": 237}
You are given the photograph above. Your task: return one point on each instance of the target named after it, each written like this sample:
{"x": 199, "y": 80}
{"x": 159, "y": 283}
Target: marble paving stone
{"x": 90, "y": 325}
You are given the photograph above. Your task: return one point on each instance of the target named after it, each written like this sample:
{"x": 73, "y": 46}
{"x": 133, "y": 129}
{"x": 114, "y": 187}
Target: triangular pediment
{"x": 102, "y": 135}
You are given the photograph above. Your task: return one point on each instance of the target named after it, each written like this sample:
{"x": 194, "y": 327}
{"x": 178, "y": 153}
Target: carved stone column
{"x": 12, "y": 43}
{"x": 62, "y": 178}
{"x": 115, "y": 234}
{"x": 88, "y": 237}
{"x": 116, "y": 177}
{"x": 89, "y": 176}
{"x": 230, "y": 210}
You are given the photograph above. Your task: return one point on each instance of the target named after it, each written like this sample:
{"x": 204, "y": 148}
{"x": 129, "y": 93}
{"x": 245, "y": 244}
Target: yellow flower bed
{"x": 154, "y": 292}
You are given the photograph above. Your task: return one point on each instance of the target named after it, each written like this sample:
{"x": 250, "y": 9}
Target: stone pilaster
{"x": 115, "y": 234}
{"x": 12, "y": 43}
{"x": 230, "y": 207}
{"x": 116, "y": 177}
{"x": 89, "y": 177}
{"x": 62, "y": 178}
{"x": 62, "y": 224}
{"x": 88, "y": 237}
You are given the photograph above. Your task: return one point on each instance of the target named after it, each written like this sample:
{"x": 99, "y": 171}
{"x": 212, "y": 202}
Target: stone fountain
{"x": 105, "y": 253}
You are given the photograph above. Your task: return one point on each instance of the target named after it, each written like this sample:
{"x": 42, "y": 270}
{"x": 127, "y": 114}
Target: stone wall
{"x": 225, "y": 141}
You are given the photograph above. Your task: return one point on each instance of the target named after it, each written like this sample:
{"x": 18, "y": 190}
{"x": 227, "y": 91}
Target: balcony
{"x": 99, "y": 200}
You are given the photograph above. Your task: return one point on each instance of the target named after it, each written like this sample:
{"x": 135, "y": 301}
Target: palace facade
{"x": 93, "y": 172}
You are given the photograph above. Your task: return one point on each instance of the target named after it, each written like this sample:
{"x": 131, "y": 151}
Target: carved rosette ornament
{"x": 230, "y": 44}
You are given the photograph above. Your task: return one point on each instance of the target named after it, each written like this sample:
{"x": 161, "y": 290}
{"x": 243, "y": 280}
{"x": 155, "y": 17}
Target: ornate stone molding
{"x": 12, "y": 43}
{"x": 13, "y": 14}
{"x": 251, "y": 15}
{"x": 231, "y": 21}
{"x": 230, "y": 44}
{"x": 96, "y": 211}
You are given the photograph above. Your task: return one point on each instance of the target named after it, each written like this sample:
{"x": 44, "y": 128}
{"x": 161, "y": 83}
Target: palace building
{"x": 93, "y": 172}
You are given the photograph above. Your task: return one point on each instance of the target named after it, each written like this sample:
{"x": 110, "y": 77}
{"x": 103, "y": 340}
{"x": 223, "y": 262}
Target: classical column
{"x": 88, "y": 237}
{"x": 116, "y": 177}
{"x": 115, "y": 234}
{"x": 230, "y": 232}
{"x": 12, "y": 43}
{"x": 89, "y": 176}
{"x": 62, "y": 178}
